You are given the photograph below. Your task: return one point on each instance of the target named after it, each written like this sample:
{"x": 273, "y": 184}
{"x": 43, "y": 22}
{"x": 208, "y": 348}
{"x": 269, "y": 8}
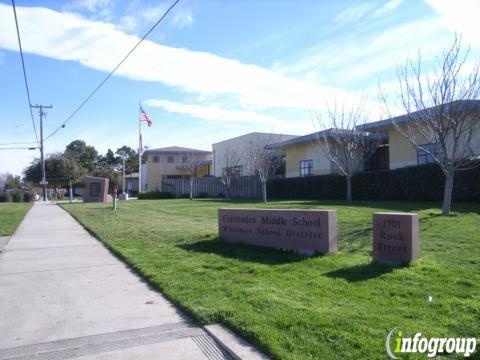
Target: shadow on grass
{"x": 406, "y": 206}
{"x": 227, "y": 202}
{"x": 243, "y": 252}
{"x": 363, "y": 272}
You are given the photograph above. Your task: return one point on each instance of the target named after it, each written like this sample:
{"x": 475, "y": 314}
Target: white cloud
{"x": 212, "y": 113}
{"x": 366, "y": 10}
{"x": 183, "y": 19}
{"x": 98, "y": 45}
{"x": 363, "y": 57}
{"x": 128, "y": 23}
{"x": 100, "y": 9}
{"x": 90, "y": 5}
{"x": 140, "y": 17}
{"x": 460, "y": 16}
{"x": 354, "y": 13}
{"x": 390, "y": 5}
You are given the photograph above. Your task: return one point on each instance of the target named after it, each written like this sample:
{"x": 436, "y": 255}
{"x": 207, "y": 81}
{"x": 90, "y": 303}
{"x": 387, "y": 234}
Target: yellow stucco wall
{"x": 402, "y": 153}
{"x": 155, "y": 171}
{"x": 305, "y": 151}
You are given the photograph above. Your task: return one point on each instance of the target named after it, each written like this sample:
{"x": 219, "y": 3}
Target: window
{"x": 184, "y": 159}
{"x": 306, "y": 167}
{"x": 156, "y": 159}
{"x": 232, "y": 171}
{"x": 378, "y": 160}
{"x": 425, "y": 158}
{"x": 170, "y": 159}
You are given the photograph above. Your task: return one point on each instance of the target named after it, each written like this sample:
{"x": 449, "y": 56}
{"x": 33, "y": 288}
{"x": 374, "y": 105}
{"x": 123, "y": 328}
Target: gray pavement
{"x": 64, "y": 295}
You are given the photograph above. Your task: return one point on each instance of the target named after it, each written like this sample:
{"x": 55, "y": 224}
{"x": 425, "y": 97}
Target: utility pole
{"x": 123, "y": 173}
{"x": 42, "y": 157}
{"x": 140, "y": 146}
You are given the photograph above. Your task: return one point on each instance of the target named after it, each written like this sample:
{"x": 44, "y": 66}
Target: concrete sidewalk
{"x": 63, "y": 295}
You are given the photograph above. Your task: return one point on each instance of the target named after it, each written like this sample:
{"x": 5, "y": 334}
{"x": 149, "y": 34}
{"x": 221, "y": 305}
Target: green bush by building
{"x": 414, "y": 183}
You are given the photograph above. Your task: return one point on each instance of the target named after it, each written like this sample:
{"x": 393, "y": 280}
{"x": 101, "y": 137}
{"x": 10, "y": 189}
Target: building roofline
{"x": 472, "y": 104}
{"x": 252, "y": 133}
{"x": 328, "y": 133}
{"x": 175, "y": 150}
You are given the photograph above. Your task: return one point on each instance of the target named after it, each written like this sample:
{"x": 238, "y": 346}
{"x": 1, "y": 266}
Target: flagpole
{"x": 139, "y": 150}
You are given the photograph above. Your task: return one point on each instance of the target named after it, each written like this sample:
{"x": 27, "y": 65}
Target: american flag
{"x": 145, "y": 117}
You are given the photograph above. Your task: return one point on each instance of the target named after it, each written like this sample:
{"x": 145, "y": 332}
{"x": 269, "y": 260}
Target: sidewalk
{"x": 63, "y": 295}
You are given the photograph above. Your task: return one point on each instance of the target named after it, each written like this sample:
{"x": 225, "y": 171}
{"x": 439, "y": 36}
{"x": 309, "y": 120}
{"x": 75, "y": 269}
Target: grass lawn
{"x": 324, "y": 307}
{"x": 11, "y": 215}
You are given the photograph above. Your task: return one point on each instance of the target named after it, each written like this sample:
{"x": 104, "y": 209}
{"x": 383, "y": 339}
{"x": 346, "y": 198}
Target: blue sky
{"x": 213, "y": 70}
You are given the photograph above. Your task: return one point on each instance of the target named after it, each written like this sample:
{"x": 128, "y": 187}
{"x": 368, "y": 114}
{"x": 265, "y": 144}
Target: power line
{"x": 19, "y": 148}
{"x": 19, "y": 143}
{"x": 112, "y": 72}
{"x": 24, "y": 71}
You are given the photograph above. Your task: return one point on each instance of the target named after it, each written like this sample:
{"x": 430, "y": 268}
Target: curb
{"x": 3, "y": 242}
{"x": 235, "y": 346}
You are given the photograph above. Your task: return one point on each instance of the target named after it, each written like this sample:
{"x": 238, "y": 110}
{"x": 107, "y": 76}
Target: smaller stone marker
{"x": 395, "y": 237}
{"x": 96, "y": 189}
{"x": 306, "y": 231}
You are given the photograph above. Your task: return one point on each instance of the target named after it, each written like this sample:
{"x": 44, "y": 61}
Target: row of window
{"x": 232, "y": 171}
{"x": 170, "y": 159}
{"x": 379, "y": 160}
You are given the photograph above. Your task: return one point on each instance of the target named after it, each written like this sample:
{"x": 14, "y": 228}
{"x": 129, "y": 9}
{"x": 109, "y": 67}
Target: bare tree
{"x": 190, "y": 165}
{"x": 442, "y": 111}
{"x": 346, "y": 147}
{"x": 230, "y": 160}
{"x": 265, "y": 161}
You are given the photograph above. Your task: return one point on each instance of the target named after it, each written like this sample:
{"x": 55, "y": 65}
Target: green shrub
{"x": 28, "y": 196}
{"x": 414, "y": 183}
{"x": 5, "y": 197}
{"x": 329, "y": 187}
{"x": 17, "y": 196}
{"x": 152, "y": 195}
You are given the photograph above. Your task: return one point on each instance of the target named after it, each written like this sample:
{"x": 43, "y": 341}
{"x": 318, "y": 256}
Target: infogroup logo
{"x": 397, "y": 344}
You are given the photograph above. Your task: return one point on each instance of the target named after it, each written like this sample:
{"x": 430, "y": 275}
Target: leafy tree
{"x": 111, "y": 174}
{"x": 85, "y": 155}
{"x": 131, "y": 158}
{"x": 13, "y": 182}
{"x": 4, "y": 177}
{"x": 58, "y": 167}
{"x": 109, "y": 159}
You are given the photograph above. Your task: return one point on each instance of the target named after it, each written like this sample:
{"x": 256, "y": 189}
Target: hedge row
{"x": 17, "y": 196}
{"x": 152, "y": 195}
{"x": 423, "y": 182}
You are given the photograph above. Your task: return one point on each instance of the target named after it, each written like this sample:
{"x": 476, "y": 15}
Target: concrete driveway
{"x": 63, "y": 295}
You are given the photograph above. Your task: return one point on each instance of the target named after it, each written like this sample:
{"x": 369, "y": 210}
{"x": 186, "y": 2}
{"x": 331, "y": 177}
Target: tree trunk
{"x": 191, "y": 188}
{"x": 349, "y": 188}
{"x": 264, "y": 190}
{"x": 447, "y": 193}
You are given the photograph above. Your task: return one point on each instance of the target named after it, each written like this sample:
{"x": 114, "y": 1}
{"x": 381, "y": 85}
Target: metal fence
{"x": 243, "y": 187}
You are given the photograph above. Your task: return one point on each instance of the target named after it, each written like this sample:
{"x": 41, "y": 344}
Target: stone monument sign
{"x": 306, "y": 231}
{"x": 96, "y": 189}
{"x": 395, "y": 237}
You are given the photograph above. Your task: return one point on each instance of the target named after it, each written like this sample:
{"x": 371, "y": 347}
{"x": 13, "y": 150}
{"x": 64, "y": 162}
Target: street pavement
{"x": 64, "y": 295}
